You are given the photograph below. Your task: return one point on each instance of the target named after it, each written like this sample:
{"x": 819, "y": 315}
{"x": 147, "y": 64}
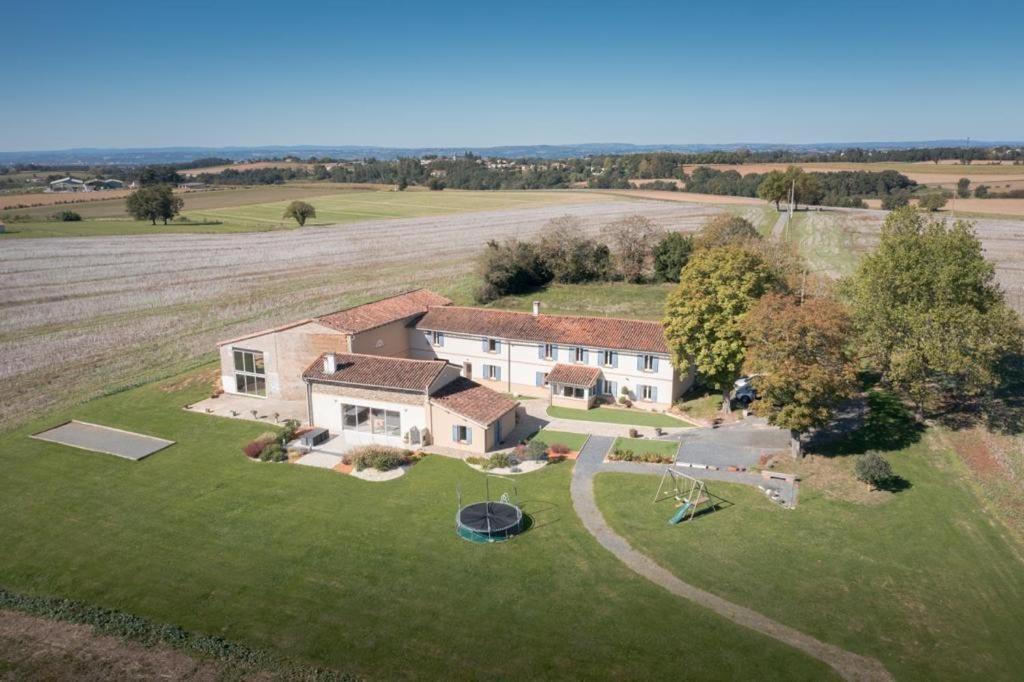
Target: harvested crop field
{"x": 84, "y": 315}
{"x": 833, "y": 241}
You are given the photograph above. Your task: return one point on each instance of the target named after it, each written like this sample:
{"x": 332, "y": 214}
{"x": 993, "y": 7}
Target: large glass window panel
{"x": 363, "y": 418}
{"x": 377, "y": 415}
{"x": 238, "y": 361}
{"x": 349, "y": 417}
{"x": 393, "y": 423}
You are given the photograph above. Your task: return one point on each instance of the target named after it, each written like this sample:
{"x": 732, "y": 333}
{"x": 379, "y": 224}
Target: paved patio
{"x": 241, "y": 407}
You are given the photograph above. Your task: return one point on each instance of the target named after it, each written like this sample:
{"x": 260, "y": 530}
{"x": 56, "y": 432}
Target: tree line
{"x": 922, "y": 313}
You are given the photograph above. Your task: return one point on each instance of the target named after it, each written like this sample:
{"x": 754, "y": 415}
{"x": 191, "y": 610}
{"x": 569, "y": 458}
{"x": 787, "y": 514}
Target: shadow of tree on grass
{"x": 880, "y": 422}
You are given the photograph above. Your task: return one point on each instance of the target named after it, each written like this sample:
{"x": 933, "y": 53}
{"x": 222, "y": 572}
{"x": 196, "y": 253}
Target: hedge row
{"x": 145, "y": 632}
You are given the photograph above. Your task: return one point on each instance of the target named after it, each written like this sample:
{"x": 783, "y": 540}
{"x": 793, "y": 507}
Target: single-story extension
{"x": 403, "y": 402}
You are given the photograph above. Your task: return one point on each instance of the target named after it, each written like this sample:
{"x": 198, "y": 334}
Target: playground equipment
{"x": 489, "y": 521}
{"x": 689, "y": 493}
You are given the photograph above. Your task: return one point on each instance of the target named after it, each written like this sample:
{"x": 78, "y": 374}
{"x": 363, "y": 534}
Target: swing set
{"x": 689, "y": 493}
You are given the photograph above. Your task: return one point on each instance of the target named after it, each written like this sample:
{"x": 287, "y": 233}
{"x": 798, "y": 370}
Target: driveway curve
{"x": 847, "y": 664}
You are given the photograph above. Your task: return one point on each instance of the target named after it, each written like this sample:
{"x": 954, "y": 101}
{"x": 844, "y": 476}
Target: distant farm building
{"x": 192, "y": 185}
{"x": 98, "y": 184}
{"x": 67, "y": 185}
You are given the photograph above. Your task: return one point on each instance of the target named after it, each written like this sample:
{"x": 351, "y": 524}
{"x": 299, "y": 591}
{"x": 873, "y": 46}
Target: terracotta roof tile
{"x": 574, "y": 375}
{"x": 377, "y": 371}
{"x": 377, "y": 313}
{"x": 473, "y": 401}
{"x": 600, "y": 332}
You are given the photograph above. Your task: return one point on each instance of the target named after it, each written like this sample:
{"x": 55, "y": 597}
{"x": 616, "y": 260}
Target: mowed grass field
{"x": 260, "y": 209}
{"x": 366, "y": 578}
{"x": 925, "y": 579}
{"x": 356, "y": 205}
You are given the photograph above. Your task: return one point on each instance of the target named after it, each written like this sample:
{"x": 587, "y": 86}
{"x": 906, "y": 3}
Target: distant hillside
{"x": 157, "y": 155}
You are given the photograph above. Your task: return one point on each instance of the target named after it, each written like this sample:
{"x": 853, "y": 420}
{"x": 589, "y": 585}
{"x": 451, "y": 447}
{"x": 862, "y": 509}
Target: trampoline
{"x": 489, "y": 521}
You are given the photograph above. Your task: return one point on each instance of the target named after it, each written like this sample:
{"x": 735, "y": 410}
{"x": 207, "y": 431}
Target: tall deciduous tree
{"x": 703, "y": 316}
{"x": 569, "y": 255}
{"x": 632, "y": 240}
{"x": 963, "y": 188}
{"x": 928, "y": 312}
{"x": 774, "y": 188}
{"x": 154, "y": 202}
{"x": 300, "y": 211}
{"x": 799, "y": 354}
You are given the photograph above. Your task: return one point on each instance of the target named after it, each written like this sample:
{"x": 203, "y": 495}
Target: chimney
{"x": 536, "y": 308}
{"x": 330, "y": 363}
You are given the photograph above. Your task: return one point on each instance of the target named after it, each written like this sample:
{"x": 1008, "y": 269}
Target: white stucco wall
{"x": 520, "y": 363}
{"x": 327, "y": 414}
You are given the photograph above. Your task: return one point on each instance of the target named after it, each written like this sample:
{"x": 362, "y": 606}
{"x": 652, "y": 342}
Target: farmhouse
{"x": 401, "y": 367}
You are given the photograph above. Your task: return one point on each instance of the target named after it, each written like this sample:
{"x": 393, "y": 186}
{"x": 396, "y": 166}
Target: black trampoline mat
{"x": 492, "y": 517}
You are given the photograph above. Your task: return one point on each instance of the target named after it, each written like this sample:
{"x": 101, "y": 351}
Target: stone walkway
{"x": 849, "y": 665}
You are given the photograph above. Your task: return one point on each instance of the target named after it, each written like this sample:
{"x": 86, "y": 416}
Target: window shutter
{"x": 497, "y": 346}
{"x": 469, "y": 436}
{"x": 539, "y": 379}
{"x": 497, "y": 372}
{"x": 613, "y": 387}
{"x": 586, "y": 356}
{"x": 440, "y": 339}
{"x": 554, "y": 353}
{"x": 655, "y": 365}
{"x": 540, "y": 351}
{"x": 640, "y": 363}
{"x": 483, "y": 344}
{"x": 654, "y": 392}
{"x": 615, "y": 358}
{"x": 455, "y": 434}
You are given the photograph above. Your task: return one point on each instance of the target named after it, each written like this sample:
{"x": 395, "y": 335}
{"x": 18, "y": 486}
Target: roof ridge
{"x": 527, "y": 313}
{"x": 377, "y": 300}
{"x": 386, "y": 357}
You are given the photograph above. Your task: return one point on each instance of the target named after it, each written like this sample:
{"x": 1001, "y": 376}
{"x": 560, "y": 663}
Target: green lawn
{"x": 927, "y": 581}
{"x": 601, "y": 299}
{"x": 616, "y": 416}
{"x": 260, "y": 209}
{"x": 368, "y": 578}
{"x": 573, "y": 441}
{"x": 644, "y": 446}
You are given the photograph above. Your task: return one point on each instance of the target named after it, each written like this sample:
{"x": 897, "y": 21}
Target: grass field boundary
{"x": 143, "y": 631}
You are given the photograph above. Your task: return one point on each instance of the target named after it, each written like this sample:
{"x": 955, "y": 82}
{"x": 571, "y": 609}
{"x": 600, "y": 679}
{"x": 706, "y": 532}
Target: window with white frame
{"x": 648, "y": 363}
{"x": 572, "y": 392}
{"x": 581, "y": 354}
{"x": 250, "y": 372}
{"x": 646, "y": 393}
{"x": 549, "y": 351}
{"x": 608, "y": 358}
{"x": 437, "y": 338}
{"x": 492, "y": 345}
{"x": 492, "y": 372}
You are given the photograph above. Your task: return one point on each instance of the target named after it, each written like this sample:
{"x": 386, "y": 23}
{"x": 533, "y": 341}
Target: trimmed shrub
{"x": 498, "y": 460}
{"x": 873, "y": 469}
{"x": 273, "y": 452}
{"x": 559, "y": 449}
{"x": 536, "y": 449}
{"x": 66, "y": 217}
{"x": 627, "y": 455}
{"x": 379, "y": 457}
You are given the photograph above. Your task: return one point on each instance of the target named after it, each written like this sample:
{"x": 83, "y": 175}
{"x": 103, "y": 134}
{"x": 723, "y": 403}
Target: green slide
{"x": 681, "y": 513}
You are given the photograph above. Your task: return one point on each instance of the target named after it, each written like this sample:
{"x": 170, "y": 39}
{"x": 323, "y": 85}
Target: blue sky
{"x": 120, "y": 74}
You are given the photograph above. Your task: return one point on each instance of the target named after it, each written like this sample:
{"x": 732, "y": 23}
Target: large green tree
{"x": 928, "y": 312}
{"x": 774, "y": 188}
{"x": 727, "y": 229}
{"x": 703, "y": 315}
{"x": 632, "y": 240}
{"x": 154, "y": 202}
{"x": 671, "y": 255}
{"x": 799, "y": 354}
{"x": 300, "y": 211}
